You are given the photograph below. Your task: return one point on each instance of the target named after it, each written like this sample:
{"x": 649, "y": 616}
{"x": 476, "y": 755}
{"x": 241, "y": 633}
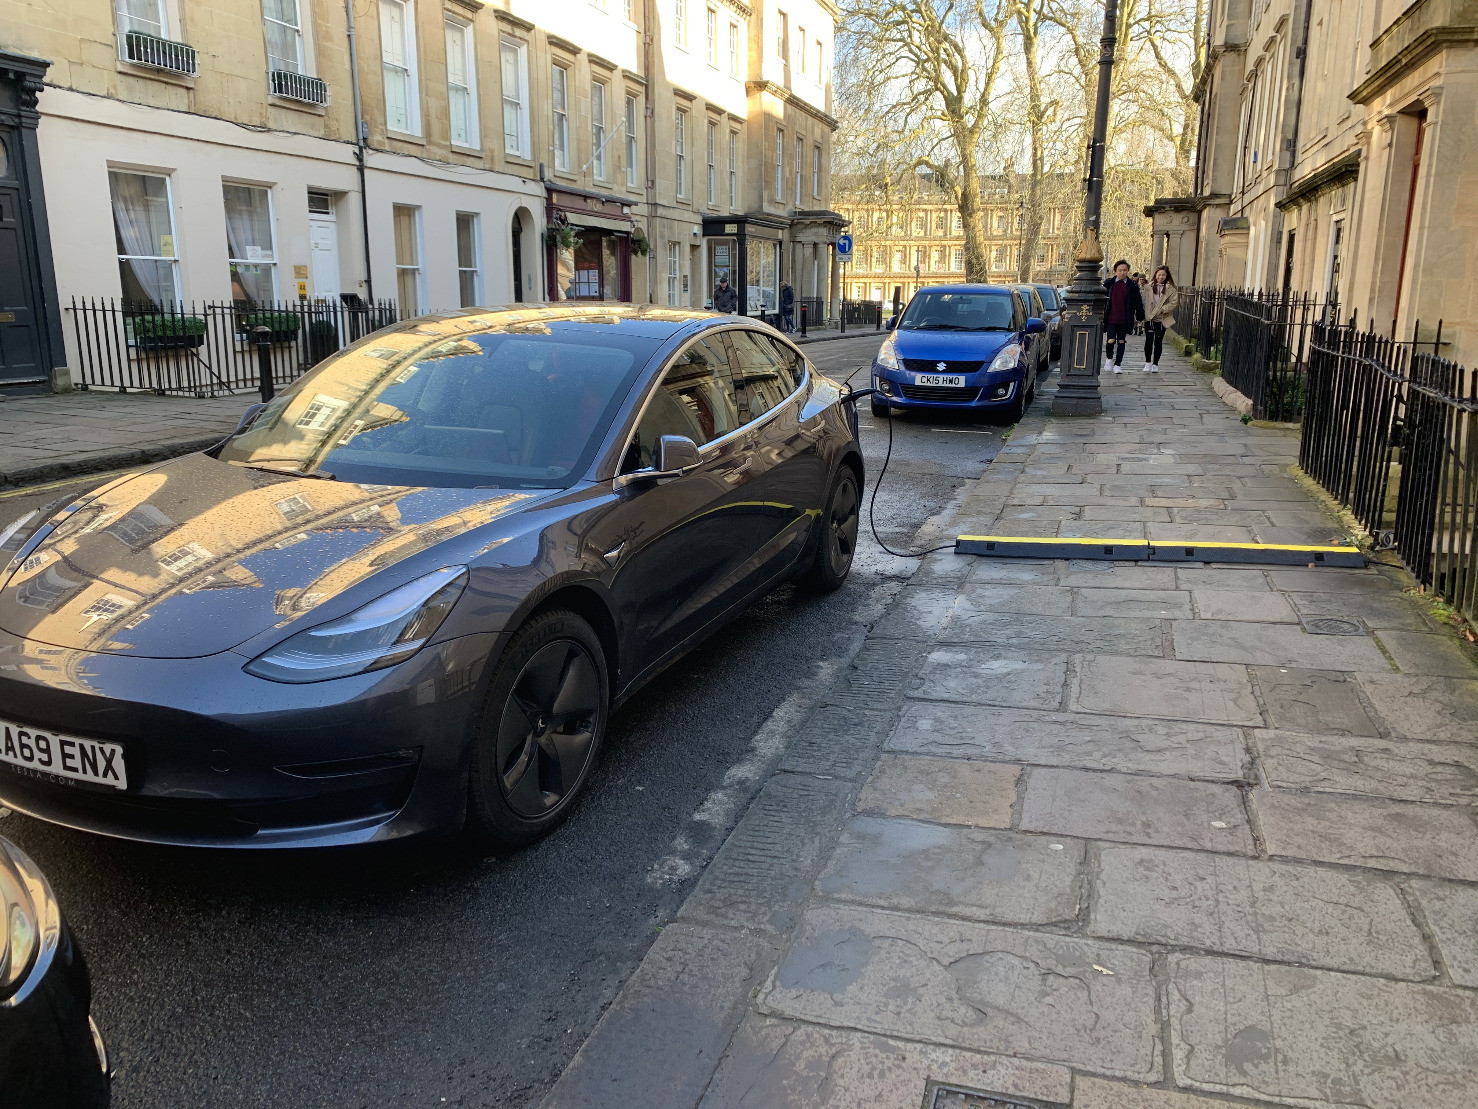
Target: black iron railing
{"x": 207, "y": 349}
{"x": 1264, "y": 348}
{"x": 1390, "y": 429}
{"x": 862, "y": 313}
{"x": 1198, "y": 318}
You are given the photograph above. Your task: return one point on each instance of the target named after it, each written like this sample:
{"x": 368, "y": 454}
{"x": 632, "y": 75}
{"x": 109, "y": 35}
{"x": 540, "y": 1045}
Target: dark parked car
{"x": 1052, "y": 306}
{"x": 1041, "y": 345}
{"x": 960, "y": 347}
{"x": 51, "y": 1056}
{"x": 407, "y": 594}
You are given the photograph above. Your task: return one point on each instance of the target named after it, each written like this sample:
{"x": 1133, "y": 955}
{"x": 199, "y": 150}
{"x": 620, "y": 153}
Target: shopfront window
{"x": 764, "y": 277}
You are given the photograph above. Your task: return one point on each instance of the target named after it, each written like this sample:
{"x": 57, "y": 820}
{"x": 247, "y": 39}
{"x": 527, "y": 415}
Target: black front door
{"x": 30, "y": 331}
{"x": 21, "y": 351}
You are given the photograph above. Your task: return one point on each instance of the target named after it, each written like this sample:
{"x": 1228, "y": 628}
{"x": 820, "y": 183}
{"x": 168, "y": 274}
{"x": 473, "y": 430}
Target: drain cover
{"x": 939, "y": 1096}
{"x": 1330, "y": 625}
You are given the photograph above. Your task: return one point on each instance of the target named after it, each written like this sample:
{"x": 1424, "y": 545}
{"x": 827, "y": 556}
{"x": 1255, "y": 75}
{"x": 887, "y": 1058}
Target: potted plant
{"x": 561, "y": 236}
{"x": 284, "y": 325}
{"x": 167, "y": 332}
{"x": 641, "y": 246}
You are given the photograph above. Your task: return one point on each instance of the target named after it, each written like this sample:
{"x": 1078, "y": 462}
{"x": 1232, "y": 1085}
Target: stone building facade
{"x": 906, "y": 242}
{"x": 438, "y": 152}
{"x": 1336, "y": 140}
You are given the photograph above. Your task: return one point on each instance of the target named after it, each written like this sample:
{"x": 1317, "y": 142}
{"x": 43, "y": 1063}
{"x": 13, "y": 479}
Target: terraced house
{"x": 1336, "y": 159}
{"x": 247, "y": 154}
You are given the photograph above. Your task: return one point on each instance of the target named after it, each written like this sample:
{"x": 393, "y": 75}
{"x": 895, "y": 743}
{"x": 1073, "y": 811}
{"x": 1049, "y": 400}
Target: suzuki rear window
{"x": 522, "y": 408}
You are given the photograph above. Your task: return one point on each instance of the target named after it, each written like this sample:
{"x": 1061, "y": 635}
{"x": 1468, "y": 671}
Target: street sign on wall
{"x": 844, "y": 248}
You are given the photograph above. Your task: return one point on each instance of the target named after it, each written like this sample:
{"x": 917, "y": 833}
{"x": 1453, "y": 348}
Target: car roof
{"x": 982, "y": 287}
{"x": 652, "y": 320}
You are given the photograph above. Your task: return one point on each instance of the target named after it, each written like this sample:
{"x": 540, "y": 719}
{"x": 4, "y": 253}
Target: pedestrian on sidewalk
{"x": 1159, "y": 314}
{"x": 725, "y": 296}
{"x": 787, "y": 305}
{"x": 1125, "y": 309}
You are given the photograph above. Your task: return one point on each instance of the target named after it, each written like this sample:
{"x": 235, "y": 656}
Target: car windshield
{"x": 1049, "y": 297}
{"x": 956, "y": 311}
{"x": 442, "y": 403}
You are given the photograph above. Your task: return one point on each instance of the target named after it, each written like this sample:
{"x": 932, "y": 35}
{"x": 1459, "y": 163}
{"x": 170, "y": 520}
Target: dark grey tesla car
{"x": 406, "y": 595}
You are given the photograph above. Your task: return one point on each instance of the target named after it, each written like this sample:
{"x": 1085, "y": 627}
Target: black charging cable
{"x": 852, "y": 396}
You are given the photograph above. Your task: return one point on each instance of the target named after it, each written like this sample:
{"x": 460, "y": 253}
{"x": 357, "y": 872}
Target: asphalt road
{"x": 419, "y": 976}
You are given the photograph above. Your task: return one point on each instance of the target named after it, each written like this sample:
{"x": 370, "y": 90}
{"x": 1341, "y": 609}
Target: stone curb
{"x": 104, "y": 461}
{"x": 1235, "y": 400}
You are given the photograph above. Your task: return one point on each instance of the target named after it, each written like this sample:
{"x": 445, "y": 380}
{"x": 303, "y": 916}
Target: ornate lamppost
{"x": 1082, "y": 345}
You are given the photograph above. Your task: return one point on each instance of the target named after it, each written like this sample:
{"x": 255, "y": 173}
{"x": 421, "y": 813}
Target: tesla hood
{"x": 196, "y": 556}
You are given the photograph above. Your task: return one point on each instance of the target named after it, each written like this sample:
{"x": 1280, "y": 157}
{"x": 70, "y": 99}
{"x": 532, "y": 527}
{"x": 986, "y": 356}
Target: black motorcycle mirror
{"x": 676, "y": 456}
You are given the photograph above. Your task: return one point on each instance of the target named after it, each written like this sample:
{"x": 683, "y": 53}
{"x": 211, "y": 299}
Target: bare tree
{"x": 927, "y": 71}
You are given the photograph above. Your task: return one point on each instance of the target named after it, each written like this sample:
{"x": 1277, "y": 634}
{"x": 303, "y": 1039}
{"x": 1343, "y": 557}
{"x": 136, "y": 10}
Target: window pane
{"x": 248, "y": 223}
{"x": 695, "y": 400}
{"x": 406, "y": 252}
{"x": 456, "y": 53}
{"x": 141, "y": 215}
{"x": 141, "y": 15}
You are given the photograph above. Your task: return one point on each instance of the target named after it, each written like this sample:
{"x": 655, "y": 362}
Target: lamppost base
{"x": 1075, "y": 403}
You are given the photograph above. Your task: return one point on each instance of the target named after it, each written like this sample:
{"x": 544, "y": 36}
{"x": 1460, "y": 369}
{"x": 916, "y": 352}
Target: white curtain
{"x": 249, "y": 242}
{"x": 141, "y": 15}
{"x": 144, "y": 235}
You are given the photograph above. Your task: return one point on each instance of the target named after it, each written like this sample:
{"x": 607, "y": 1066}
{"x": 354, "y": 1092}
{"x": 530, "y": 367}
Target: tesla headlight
{"x": 30, "y": 923}
{"x": 388, "y": 630}
{"x": 887, "y": 356}
{"x": 1006, "y": 358}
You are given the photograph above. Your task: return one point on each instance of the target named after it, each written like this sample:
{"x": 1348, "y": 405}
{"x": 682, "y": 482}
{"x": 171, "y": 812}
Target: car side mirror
{"x": 1035, "y": 326}
{"x": 676, "y": 456}
{"x": 248, "y": 416}
{"x": 891, "y": 323}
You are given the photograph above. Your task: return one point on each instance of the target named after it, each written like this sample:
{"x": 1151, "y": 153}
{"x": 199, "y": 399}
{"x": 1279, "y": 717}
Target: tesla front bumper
{"x": 217, "y": 757}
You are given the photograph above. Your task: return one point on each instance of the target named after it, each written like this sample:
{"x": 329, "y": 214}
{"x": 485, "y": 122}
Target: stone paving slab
{"x": 1097, "y": 1093}
{"x": 1280, "y": 644}
{"x": 656, "y": 1046}
{"x": 1221, "y": 577}
{"x": 1257, "y": 606}
{"x": 1029, "y": 600}
{"x": 1435, "y": 840}
{"x": 1058, "y": 633}
{"x": 945, "y": 791}
{"x": 781, "y": 1064}
{"x": 1122, "y": 686}
{"x": 1070, "y": 739}
{"x": 993, "y": 675}
{"x": 1080, "y": 1003}
{"x": 1452, "y": 914}
{"x": 1407, "y": 770}
{"x": 1425, "y": 707}
{"x": 1320, "y": 1038}
{"x": 977, "y": 873}
{"x": 1376, "y": 610}
{"x": 1281, "y": 912}
{"x": 1169, "y": 812}
{"x": 1312, "y": 701}
{"x": 1011, "y": 570}
{"x": 1161, "y": 604}
{"x": 1089, "y": 574}
{"x": 1429, "y": 655}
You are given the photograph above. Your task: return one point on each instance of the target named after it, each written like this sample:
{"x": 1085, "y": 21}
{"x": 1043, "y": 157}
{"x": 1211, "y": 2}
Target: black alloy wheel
{"x": 837, "y": 544}
{"x": 542, "y": 725}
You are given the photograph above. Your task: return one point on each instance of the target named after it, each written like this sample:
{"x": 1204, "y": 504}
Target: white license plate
{"x": 83, "y": 760}
{"x": 955, "y": 380}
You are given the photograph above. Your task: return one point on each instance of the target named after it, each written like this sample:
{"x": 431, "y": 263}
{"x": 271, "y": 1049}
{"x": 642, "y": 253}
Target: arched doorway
{"x": 517, "y": 258}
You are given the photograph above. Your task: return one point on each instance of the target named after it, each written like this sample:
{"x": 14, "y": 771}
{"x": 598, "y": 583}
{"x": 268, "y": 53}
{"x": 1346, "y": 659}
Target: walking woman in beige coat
{"x": 1160, "y": 299}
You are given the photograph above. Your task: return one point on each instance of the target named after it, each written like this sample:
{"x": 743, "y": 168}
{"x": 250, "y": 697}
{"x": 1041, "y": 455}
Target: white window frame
{"x": 174, "y": 261}
{"x": 271, "y": 261}
{"x": 710, "y": 29}
{"x": 680, "y": 150}
{"x": 800, "y": 33}
{"x": 782, "y": 36}
{"x": 733, "y": 49}
{"x": 468, "y": 89}
{"x": 712, "y": 164}
{"x": 598, "y": 91}
{"x": 674, "y": 274}
{"x": 476, "y": 268}
{"x": 800, "y": 166}
{"x": 780, "y": 165}
{"x": 295, "y": 65}
{"x": 632, "y": 153}
{"x": 816, "y": 169}
{"x": 733, "y": 170}
{"x": 518, "y": 101}
{"x": 680, "y": 24}
{"x": 559, "y": 107}
{"x": 818, "y": 76}
{"x": 410, "y": 72}
{"x": 419, "y": 266}
{"x": 126, "y": 20}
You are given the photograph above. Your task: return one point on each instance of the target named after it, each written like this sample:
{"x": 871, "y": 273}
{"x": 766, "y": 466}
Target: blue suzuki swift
{"x": 959, "y": 346}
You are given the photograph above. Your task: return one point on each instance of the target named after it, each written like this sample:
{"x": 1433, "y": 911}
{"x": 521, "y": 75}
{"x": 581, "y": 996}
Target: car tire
{"x": 1017, "y": 409}
{"x": 880, "y": 409}
{"x": 837, "y": 544}
{"x": 539, "y": 732}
